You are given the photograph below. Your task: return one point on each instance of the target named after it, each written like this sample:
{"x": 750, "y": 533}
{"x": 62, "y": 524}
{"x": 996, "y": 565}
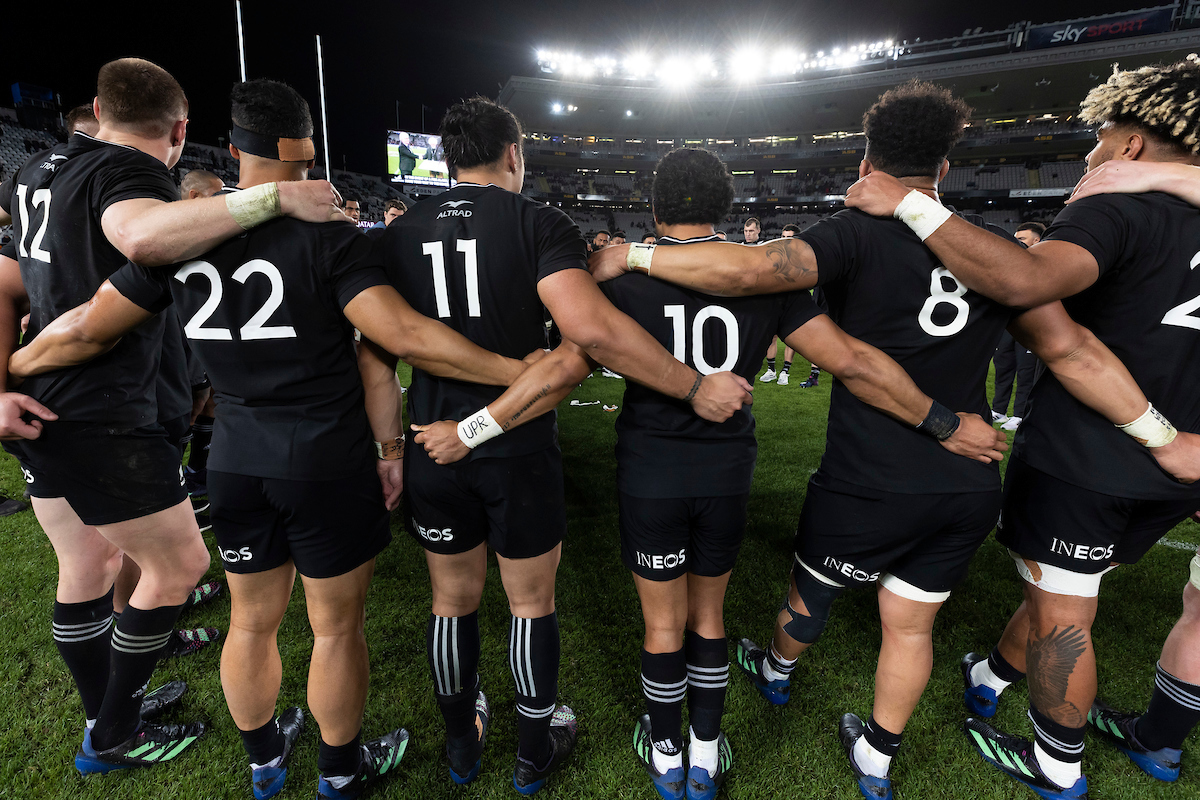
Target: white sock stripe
{"x": 774, "y": 654}
{"x": 135, "y": 637}
{"x": 529, "y": 658}
{"x": 1188, "y": 701}
{"x": 60, "y": 626}
{"x": 535, "y": 713}
{"x": 456, "y": 685}
{"x": 82, "y": 634}
{"x": 447, "y": 678}
{"x": 712, "y": 670}
{"x": 1057, "y": 744}
{"x": 655, "y": 697}
{"x": 708, "y": 683}
{"x": 436, "y": 653}
{"x": 663, "y": 686}
{"x": 515, "y": 659}
{"x": 135, "y": 649}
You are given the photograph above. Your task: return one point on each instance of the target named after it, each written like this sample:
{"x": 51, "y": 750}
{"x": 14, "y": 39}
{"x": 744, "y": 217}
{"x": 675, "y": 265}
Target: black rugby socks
{"x": 707, "y": 681}
{"x": 81, "y": 634}
{"x": 533, "y": 652}
{"x": 452, "y": 645}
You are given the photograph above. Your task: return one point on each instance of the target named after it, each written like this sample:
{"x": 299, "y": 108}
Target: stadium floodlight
{"x": 783, "y": 62}
{"x": 638, "y": 65}
{"x": 746, "y": 65}
{"x": 677, "y": 72}
{"x": 629, "y": 112}
{"x": 556, "y": 108}
{"x": 545, "y": 55}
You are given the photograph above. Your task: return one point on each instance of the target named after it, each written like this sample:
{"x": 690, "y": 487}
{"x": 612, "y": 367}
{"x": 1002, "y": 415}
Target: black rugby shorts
{"x": 664, "y": 538}
{"x": 852, "y": 535}
{"x": 327, "y": 528}
{"x": 515, "y": 503}
{"x": 106, "y": 474}
{"x": 1058, "y": 523}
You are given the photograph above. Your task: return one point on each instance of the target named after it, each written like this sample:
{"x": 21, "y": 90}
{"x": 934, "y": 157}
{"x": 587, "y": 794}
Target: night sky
{"x": 378, "y": 54}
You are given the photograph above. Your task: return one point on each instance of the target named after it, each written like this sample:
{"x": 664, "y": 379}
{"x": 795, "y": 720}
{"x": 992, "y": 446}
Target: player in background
{"x": 814, "y": 374}
{"x": 488, "y": 262}
{"x": 684, "y": 482}
{"x": 1082, "y": 497}
{"x": 293, "y": 485}
{"x": 917, "y": 516}
{"x": 752, "y": 234}
{"x": 103, "y": 475}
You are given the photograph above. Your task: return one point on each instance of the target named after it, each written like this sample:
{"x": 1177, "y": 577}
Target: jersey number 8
{"x": 939, "y": 296}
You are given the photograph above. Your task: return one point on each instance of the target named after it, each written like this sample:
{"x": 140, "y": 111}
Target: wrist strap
{"x": 940, "y": 422}
{"x": 478, "y": 428}
{"x": 922, "y": 213}
{"x": 390, "y": 451}
{"x": 639, "y": 257}
{"x": 1151, "y": 429}
{"x": 254, "y": 206}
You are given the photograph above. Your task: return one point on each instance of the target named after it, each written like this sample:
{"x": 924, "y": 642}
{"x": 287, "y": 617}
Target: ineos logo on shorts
{"x": 28, "y": 475}
{"x": 850, "y": 571}
{"x": 1082, "y": 552}
{"x": 434, "y": 534}
{"x": 669, "y": 561}
{"x": 235, "y": 556}
{"x": 182, "y": 482}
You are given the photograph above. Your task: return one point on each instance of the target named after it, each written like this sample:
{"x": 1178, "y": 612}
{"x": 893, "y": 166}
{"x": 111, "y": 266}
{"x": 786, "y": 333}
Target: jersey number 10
{"x": 678, "y": 318}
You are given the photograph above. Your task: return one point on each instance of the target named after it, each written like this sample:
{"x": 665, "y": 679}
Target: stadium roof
{"x": 1018, "y": 83}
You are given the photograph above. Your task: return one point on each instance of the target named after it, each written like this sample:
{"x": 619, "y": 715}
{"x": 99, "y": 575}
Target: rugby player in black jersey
{"x": 488, "y": 261}
{"x": 884, "y": 505}
{"x": 292, "y": 483}
{"x": 683, "y": 481}
{"x": 1082, "y": 497}
{"x": 104, "y": 476}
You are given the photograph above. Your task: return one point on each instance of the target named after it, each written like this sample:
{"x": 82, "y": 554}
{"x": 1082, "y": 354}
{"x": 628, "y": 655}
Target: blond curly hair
{"x": 1163, "y": 99}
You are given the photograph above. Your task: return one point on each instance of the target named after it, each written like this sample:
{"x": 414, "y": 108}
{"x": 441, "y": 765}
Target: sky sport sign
{"x": 1099, "y": 29}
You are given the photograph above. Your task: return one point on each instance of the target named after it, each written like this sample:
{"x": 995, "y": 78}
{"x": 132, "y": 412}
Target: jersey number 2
{"x": 441, "y": 295}
{"x": 1181, "y": 315}
{"x": 254, "y": 327}
{"x": 675, "y": 313}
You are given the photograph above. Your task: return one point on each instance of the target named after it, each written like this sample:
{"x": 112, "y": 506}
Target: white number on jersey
{"x": 1181, "y": 315}
{"x": 938, "y": 296}
{"x": 675, "y": 313}
{"x": 441, "y": 294}
{"x": 41, "y": 197}
{"x": 254, "y": 328}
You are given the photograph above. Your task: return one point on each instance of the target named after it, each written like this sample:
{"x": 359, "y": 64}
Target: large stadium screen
{"x": 416, "y": 158}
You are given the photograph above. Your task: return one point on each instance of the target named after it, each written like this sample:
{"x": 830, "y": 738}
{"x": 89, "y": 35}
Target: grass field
{"x": 788, "y": 752}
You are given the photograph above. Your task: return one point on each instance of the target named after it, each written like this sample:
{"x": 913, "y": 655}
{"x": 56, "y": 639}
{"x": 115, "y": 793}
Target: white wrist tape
{"x": 254, "y": 206}
{"x": 478, "y": 428}
{"x": 639, "y": 257}
{"x": 922, "y": 213}
{"x": 1151, "y": 429}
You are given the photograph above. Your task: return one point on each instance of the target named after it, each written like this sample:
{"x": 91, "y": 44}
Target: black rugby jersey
{"x": 56, "y": 200}
{"x": 663, "y": 448}
{"x": 1143, "y": 308}
{"x": 472, "y": 258}
{"x": 263, "y": 314}
{"x": 885, "y": 287}
{"x": 174, "y": 387}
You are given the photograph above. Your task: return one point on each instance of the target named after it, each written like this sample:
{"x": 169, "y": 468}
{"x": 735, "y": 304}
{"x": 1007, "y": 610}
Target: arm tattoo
{"x": 787, "y": 259}
{"x": 545, "y": 390}
{"x": 1051, "y": 662}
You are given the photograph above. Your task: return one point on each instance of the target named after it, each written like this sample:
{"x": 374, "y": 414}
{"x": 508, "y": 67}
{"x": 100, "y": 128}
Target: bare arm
{"x": 385, "y": 411}
{"x": 995, "y": 267}
{"x": 80, "y": 334}
{"x": 1096, "y": 377}
{"x": 876, "y": 379}
{"x": 724, "y": 269}
{"x": 539, "y": 389}
{"x": 155, "y": 233}
{"x": 14, "y": 405}
{"x": 609, "y": 337}
{"x": 1135, "y": 177}
{"x": 386, "y": 318}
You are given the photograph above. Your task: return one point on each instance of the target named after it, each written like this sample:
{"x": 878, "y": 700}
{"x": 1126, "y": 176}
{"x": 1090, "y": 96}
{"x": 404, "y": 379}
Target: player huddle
{"x": 308, "y": 452}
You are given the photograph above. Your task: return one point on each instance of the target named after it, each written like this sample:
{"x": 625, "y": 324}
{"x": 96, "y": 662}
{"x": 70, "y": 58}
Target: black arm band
{"x": 940, "y": 422}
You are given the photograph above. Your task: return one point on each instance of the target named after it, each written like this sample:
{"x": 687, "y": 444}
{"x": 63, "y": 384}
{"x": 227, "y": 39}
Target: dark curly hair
{"x": 912, "y": 128}
{"x": 476, "y": 131}
{"x": 271, "y": 108}
{"x": 691, "y": 186}
{"x": 1160, "y": 98}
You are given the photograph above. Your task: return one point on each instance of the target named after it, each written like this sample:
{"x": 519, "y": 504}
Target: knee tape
{"x": 1195, "y": 570}
{"x": 818, "y": 596}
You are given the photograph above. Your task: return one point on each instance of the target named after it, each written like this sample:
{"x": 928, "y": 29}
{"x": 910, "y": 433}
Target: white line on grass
{"x": 1177, "y": 545}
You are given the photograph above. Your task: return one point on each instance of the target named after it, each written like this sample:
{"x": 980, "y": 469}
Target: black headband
{"x": 276, "y": 147}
